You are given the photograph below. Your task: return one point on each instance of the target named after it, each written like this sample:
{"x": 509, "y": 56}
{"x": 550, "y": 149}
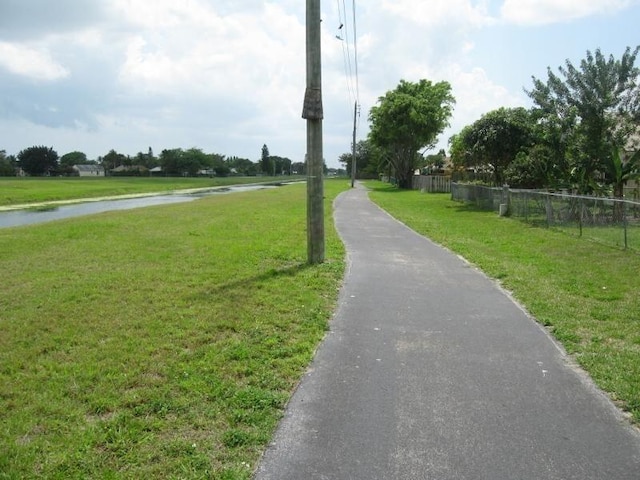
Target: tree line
{"x": 45, "y": 161}
{"x": 582, "y": 132}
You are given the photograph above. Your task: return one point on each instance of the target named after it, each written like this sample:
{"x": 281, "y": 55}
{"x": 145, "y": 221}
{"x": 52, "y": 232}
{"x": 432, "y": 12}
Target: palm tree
{"x": 619, "y": 172}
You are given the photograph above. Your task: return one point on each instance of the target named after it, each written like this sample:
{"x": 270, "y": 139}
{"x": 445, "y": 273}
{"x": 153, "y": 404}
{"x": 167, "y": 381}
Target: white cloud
{"x": 232, "y": 77}
{"x": 439, "y": 12}
{"x": 200, "y": 51}
{"x": 540, "y": 12}
{"x": 228, "y": 76}
{"x": 477, "y": 94}
{"x": 30, "y": 62}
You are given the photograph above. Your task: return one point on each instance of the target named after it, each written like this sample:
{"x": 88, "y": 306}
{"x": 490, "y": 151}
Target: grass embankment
{"x": 587, "y": 293}
{"x": 160, "y": 342}
{"x": 18, "y": 191}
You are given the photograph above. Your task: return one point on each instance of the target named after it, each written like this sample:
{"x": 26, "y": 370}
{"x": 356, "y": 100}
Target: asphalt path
{"x": 431, "y": 371}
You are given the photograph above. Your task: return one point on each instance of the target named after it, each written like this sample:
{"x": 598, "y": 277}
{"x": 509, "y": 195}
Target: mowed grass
{"x": 160, "y": 342}
{"x": 588, "y": 294}
{"x": 18, "y": 191}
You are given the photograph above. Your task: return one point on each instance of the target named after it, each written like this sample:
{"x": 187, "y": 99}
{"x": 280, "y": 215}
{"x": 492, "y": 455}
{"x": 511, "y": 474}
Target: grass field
{"x": 164, "y": 342}
{"x": 587, "y": 293}
{"x": 160, "y": 342}
{"x": 18, "y": 191}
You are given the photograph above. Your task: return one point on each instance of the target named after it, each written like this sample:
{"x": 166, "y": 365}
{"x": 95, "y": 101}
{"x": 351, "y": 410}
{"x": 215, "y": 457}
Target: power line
{"x": 343, "y": 36}
{"x": 351, "y": 72}
{"x": 355, "y": 50}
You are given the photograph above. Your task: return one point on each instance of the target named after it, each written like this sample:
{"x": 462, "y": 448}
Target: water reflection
{"x": 50, "y": 213}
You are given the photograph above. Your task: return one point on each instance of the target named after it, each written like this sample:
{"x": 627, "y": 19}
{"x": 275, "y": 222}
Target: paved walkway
{"x": 431, "y": 371}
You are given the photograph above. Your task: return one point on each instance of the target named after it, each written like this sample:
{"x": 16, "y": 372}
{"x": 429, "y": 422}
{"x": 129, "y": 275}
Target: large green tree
{"x": 193, "y": 160}
{"x": 407, "y": 120}
{"x": 177, "y": 161}
{"x": 38, "y": 160}
{"x": 530, "y": 169}
{"x": 496, "y": 138}
{"x": 73, "y": 158}
{"x": 589, "y": 112}
{"x": 68, "y": 160}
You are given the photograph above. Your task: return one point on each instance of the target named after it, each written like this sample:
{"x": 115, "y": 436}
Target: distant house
{"x": 206, "y": 172}
{"x": 89, "y": 170}
{"x": 130, "y": 171}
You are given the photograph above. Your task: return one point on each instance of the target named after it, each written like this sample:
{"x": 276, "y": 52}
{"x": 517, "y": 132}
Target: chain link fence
{"x": 605, "y": 220}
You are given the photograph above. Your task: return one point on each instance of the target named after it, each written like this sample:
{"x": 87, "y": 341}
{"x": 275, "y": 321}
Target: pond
{"x": 51, "y": 212}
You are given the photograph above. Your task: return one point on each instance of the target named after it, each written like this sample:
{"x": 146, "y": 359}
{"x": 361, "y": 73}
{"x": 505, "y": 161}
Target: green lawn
{"x": 164, "y": 342}
{"x": 18, "y": 191}
{"x": 160, "y": 342}
{"x": 587, "y": 293}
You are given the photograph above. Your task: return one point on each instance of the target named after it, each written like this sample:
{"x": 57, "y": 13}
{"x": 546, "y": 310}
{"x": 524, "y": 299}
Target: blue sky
{"x": 228, "y": 76}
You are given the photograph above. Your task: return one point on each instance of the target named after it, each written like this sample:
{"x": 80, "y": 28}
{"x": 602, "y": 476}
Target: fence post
{"x": 624, "y": 223}
{"x": 581, "y": 215}
{"x": 504, "y": 204}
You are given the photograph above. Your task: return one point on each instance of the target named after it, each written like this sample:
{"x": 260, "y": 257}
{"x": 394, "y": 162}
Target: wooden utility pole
{"x": 353, "y": 161}
{"x": 313, "y": 113}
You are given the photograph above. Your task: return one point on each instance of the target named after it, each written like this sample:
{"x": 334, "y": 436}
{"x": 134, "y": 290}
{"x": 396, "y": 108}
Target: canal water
{"x": 14, "y": 218}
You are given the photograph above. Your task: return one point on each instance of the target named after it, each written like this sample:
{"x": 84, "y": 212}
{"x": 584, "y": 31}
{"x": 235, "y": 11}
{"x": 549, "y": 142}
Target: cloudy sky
{"x": 228, "y": 76}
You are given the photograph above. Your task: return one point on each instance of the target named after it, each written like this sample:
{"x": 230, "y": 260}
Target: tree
{"x": 219, "y": 165}
{"x": 460, "y": 149}
{"x": 409, "y": 119}
{"x": 170, "y": 160}
{"x": 113, "y": 159}
{"x": 38, "y": 161}
{"x": 280, "y": 165}
{"x": 68, "y": 160}
{"x": 367, "y": 159}
{"x": 146, "y": 160}
{"x": 73, "y": 158}
{"x": 193, "y": 160}
{"x": 265, "y": 161}
{"x": 7, "y": 165}
{"x": 242, "y": 166}
{"x": 620, "y": 170}
{"x": 530, "y": 169}
{"x": 497, "y": 137}
{"x": 299, "y": 168}
{"x": 589, "y": 111}
{"x": 435, "y": 163}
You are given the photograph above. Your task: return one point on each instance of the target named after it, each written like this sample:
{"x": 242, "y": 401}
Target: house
{"x": 89, "y": 170}
{"x": 206, "y": 172}
{"x": 130, "y": 171}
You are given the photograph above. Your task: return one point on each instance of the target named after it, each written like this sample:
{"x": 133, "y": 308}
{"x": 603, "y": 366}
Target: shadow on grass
{"x": 245, "y": 284}
{"x": 383, "y": 187}
{"x": 466, "y": 207}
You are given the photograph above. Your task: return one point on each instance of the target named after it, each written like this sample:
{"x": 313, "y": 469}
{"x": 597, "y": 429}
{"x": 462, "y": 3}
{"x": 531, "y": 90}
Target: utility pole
{"x": 312, "y": 111}
{"x": 353, "y": 161}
